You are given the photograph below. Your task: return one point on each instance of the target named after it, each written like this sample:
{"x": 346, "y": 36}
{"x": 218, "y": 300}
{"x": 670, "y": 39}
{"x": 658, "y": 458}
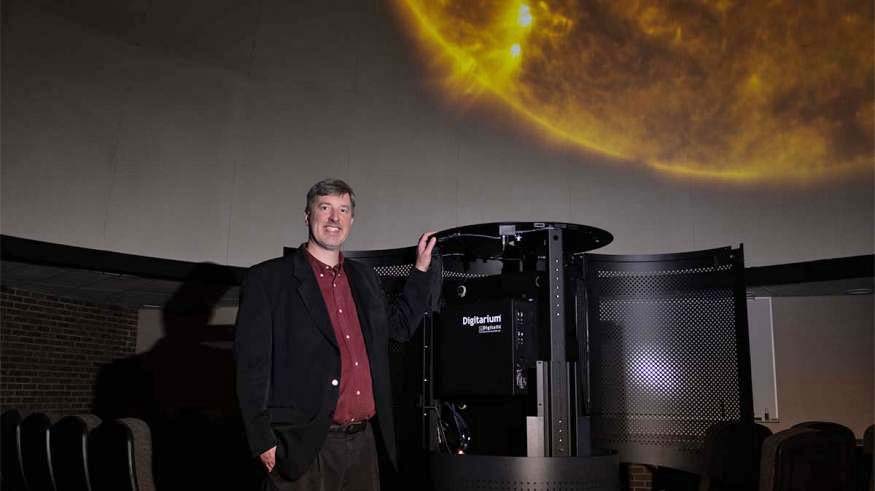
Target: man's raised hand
{"x": 423, "y": 251}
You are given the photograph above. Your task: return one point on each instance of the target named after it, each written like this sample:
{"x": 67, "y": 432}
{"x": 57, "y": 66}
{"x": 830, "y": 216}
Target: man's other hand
{"x": 268, "y": 458}
{"x": 423, "y": 251}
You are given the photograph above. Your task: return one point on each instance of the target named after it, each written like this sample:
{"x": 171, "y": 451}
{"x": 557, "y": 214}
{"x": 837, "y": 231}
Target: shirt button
{"x": 356, "y": 363}
{"x": 358, "y": 392}
{"x": 334, "y": 382}
{"x": 321, "y": 275}
{"x": 347, "y": 336}
{"x": 339, "y": 311}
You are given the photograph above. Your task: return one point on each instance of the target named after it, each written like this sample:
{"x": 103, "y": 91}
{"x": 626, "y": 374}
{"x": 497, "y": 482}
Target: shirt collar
{"x": 319, "y": 265}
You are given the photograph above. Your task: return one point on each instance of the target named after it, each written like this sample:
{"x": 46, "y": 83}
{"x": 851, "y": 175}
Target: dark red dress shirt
{"x": 356, "y": 400}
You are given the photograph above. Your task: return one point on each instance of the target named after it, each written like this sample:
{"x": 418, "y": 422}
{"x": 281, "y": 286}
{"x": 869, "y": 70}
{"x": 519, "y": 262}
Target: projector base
{"x": 475, "y": 472}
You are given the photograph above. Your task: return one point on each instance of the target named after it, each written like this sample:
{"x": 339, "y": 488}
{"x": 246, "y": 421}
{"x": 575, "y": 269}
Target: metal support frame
{"x": 432, "y": 436}
{"x": 537, "y": 442}
{"x": 581, "y": 402}
{"x": 560, "y": 415}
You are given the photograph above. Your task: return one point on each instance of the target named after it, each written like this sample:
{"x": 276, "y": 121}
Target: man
{"x": 312, "y": 354}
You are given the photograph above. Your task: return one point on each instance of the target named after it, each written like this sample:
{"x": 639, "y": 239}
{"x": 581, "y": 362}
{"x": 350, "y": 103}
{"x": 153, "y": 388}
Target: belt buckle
{"x": 349, "y": 428}
{"x": 355, "y": 427}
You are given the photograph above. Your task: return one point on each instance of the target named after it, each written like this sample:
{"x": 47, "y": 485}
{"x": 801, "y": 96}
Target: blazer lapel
{"x": 359, "y": 286}
{"x": 311, "y": 296}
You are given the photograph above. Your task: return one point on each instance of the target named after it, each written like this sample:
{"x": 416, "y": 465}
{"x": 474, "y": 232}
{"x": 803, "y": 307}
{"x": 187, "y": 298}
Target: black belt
{"x": 349, "y": 427}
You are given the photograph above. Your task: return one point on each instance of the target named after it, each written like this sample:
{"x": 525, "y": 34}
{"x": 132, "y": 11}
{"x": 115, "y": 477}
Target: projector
{"x": 485, "y": 348}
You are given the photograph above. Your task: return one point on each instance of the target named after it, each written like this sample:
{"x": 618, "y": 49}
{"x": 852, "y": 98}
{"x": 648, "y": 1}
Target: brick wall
{"x": 640, "y": 477}
{"x": 52, "y": 348}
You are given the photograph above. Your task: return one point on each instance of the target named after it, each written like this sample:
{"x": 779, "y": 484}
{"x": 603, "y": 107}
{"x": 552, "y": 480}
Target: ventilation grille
{"x": 664, "y": 353}
{"x": 403, "y": 271}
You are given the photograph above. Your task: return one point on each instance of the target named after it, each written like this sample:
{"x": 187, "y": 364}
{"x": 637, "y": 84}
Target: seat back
{"x": 122, "y": 456}
{"x": 11, "y": 472}
{"x": 732, "y": 456}
{"x": 868, "y": 436}
{"x": 69, "y": 449}
{"x": 868, "y": 479}
{"x": 36, "y": 457}
{"x": 847, "y": 433}
{"x": 807, "y": 459}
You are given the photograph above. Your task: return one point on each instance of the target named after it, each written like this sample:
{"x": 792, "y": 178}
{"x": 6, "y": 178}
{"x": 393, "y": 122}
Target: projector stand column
{"x": 559, "y": 411}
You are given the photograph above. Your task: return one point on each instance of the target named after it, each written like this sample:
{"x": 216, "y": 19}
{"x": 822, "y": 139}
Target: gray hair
{"x": 329, "y": 187}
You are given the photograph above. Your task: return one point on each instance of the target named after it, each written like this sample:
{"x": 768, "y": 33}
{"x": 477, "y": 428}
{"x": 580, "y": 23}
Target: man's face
{"x": 330, "y": 220}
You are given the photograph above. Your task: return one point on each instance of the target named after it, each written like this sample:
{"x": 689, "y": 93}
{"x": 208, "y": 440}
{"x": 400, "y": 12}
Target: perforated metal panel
{"x": 458, "y": 275}
{"x": 668, "y": 352}
{"x": 403, "y": 270}
{"x": 393, "y": 271}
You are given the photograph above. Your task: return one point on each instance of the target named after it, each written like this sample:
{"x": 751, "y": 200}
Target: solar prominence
{"x": 723, "y": 90}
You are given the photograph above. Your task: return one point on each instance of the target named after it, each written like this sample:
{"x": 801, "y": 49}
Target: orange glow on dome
{"x": 732, "y": 91}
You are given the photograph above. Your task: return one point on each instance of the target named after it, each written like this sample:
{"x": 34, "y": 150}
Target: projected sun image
{"x": 745, "y": 91}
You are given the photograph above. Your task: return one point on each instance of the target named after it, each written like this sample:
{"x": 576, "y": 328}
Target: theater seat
{"x": 11, "y": 473}
{"x": 807, "y": 459}
{"x": 122, "y": 456}
{"x": 35, "y": 453}
{"x": 732, "y": 456}
{"x": 868, "y": 476}
{"x": 868, "y": 436}
{"x": 848, "y": 435}
{"x": 69, "y": 447}
{"x": 828, "y": 426}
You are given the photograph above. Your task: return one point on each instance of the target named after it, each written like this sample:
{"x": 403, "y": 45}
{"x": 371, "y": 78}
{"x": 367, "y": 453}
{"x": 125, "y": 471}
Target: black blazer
{"x": 288, "y": 362}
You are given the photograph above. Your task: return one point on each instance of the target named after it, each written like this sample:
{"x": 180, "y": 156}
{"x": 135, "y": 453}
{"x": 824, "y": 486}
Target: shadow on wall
{"x": 184, "y": 388}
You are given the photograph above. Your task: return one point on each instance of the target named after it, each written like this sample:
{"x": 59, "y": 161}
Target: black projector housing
{"x": 486, "y": 348}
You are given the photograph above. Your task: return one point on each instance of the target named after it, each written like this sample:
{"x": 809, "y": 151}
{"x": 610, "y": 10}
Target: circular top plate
{"x": 508, "y": 239}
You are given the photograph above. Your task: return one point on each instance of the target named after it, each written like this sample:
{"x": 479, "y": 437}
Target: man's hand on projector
{"x": 423, "y": 251}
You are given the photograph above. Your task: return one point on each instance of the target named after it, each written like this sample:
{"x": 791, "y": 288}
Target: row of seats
{"x": 815, "y": 456}
{"x": 74, "y": 453}
{"x": 81, "y": 453}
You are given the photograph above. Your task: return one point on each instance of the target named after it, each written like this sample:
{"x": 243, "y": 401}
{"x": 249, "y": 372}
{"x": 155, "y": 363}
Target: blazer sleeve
{"x": 406, "y": 312}
{"x": 252, "y": 351}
